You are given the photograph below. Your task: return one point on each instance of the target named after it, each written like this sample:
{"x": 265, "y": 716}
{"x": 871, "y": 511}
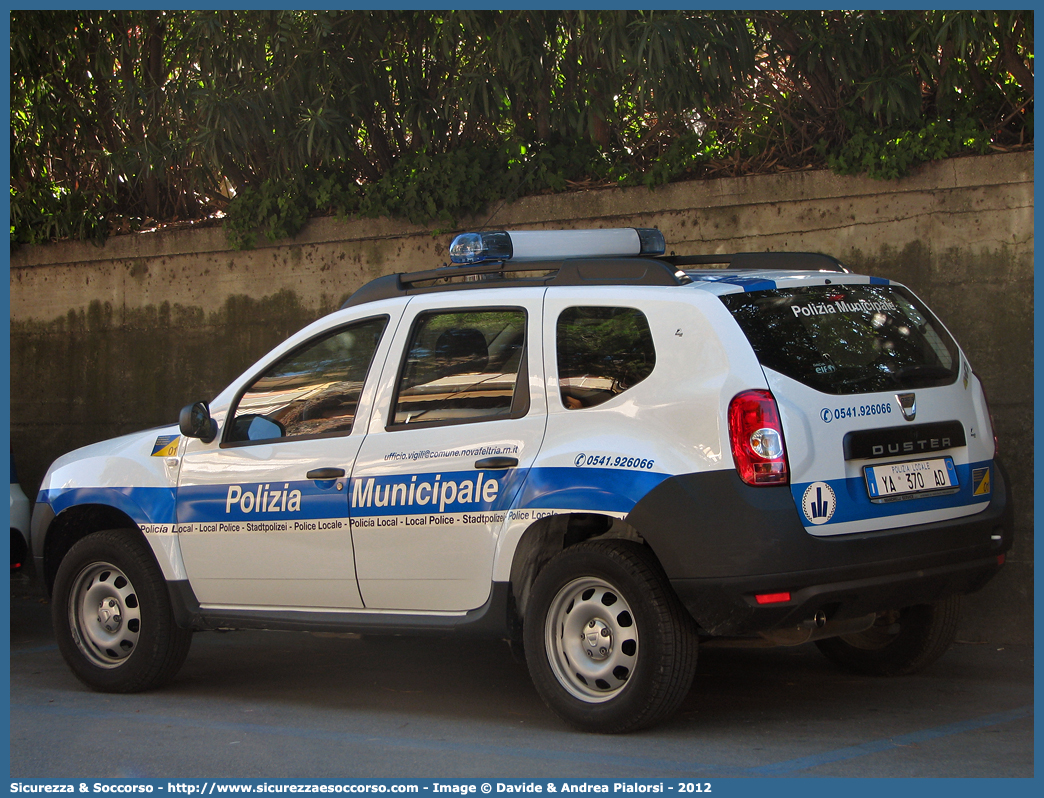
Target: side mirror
{"x": 195, "y": 422}
{"x": 254, "y": 427}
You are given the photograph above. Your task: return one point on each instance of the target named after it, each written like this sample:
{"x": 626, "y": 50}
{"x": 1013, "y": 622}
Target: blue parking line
{"x": 658, "y": 767}
{"x": 877, "y": 746}
{"x": 38, "y": 649}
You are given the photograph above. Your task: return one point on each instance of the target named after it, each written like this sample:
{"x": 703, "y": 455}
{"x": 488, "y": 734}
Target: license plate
{"x": 910, "y": 479}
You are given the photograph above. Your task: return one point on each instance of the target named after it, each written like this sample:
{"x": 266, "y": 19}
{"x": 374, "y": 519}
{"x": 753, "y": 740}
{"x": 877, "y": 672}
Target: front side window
{"x": 312, "y": 391}
{"x": 463, "y": 366}
{"x": 601, "y": 353}
{"x": 846, "y": 339}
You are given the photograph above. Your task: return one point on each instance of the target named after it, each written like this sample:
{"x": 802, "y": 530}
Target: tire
{"x": 609, "y": 647}
{"x": 899, "y": 643}
{"x": 112, "y": 615}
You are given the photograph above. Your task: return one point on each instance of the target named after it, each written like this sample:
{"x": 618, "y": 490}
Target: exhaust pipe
{"x": 815, "y": 628}
{"x": 817, "y": 621}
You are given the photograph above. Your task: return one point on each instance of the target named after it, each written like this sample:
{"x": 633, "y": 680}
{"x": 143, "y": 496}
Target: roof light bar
{"x": 556, "y": 244}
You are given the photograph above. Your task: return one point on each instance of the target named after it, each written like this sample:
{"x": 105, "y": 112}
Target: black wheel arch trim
{"x": 43, "y": 515}
{"x": 52, "y": 535}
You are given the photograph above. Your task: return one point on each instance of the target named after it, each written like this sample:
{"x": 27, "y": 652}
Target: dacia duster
{"x": 569, "y": 439}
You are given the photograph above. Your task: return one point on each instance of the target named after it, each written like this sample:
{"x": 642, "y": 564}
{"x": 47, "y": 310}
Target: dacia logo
{"x": 908, "y": 404}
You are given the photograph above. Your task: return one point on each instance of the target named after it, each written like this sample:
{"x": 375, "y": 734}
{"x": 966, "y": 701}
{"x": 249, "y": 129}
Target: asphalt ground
{"x": 295, "y": 705}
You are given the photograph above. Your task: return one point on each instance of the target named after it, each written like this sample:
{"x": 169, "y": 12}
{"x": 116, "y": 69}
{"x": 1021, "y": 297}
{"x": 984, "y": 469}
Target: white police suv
{"x": 569, "y": 440}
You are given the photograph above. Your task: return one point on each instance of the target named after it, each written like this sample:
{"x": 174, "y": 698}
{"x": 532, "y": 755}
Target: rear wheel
{"x": 112, "y": 615}
{"x": 900, "y": 642}
{"x": 608, "y": 645}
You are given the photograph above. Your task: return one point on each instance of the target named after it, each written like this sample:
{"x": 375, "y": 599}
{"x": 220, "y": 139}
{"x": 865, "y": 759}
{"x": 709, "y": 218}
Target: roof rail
{"x": 505, "y": 274}
{"x": 631, "y": 270}
{"x": 790, "y": 261}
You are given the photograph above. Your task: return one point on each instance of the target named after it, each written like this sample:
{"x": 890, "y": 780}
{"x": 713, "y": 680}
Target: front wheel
{"x": 900, "y": 642}
{"x": 112, "y": 615}
{"x": 608, "y": 645}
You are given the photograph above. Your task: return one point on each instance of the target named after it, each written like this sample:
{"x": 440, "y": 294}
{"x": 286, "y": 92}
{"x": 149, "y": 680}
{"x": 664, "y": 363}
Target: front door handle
{"x": 325, "y": 473}
{"x": 493, "y": 463}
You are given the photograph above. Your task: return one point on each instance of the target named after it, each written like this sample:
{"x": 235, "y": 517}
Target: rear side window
{"x": 463, "y": 366}
{"x": 601, "y": 353}
{"x": 847, "y": 339}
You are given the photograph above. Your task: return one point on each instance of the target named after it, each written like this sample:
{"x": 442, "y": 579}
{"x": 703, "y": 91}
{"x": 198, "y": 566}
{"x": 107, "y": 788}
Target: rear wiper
{"x": 923, "y": 370}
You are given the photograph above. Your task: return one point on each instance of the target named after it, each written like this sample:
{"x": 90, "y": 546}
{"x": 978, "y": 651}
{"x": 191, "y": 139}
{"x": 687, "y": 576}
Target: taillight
{"x": 757, "y": 439}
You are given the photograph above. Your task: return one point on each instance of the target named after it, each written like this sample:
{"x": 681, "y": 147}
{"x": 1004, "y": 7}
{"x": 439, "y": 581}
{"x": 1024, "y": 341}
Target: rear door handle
{"x": 325, "y": 473}
{"x": 493, "y": 463}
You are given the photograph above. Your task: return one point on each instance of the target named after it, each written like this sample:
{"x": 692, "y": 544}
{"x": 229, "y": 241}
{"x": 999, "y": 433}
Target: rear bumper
{"x": 729, "y": 607}
{"x": 722, "y": 543}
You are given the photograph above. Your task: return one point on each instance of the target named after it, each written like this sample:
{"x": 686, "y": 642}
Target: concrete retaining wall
{"x": 106, "y": 340}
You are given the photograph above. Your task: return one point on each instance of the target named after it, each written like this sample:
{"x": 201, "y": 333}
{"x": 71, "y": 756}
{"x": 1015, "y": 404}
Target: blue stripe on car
{"x": 143, "y": 505}
{"x": 558, "y": 488}
{"x": 750, "y": 283}
{"x": 610, "y": 489}
{"x": 853, "y": 500}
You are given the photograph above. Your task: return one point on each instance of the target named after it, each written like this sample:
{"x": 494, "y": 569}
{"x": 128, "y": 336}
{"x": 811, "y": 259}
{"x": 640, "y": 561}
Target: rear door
{"x": 458, "y": 421}
{"x": 885, "y": 424}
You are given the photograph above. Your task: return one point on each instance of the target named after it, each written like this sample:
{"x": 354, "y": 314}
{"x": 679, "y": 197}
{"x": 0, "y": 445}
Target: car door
{"x": 457, "y": 423}
{"x": 263, "y": 511}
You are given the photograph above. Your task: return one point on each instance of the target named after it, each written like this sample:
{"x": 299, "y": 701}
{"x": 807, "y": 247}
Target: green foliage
{"x": 277, "y": 208}
{"x": 440, "y": 188}
{"x": 50, "y": 215}
{"x": 683, "y": 158}
{"x": 891, "y": 154}
{"x": 280, "y": 206}
{"x": 125, "y": 118}
{"x": 423, "y": 189}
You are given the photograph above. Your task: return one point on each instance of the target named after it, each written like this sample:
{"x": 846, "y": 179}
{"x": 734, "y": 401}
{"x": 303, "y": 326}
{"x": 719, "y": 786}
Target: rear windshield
{"x": 845, "y": 339}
